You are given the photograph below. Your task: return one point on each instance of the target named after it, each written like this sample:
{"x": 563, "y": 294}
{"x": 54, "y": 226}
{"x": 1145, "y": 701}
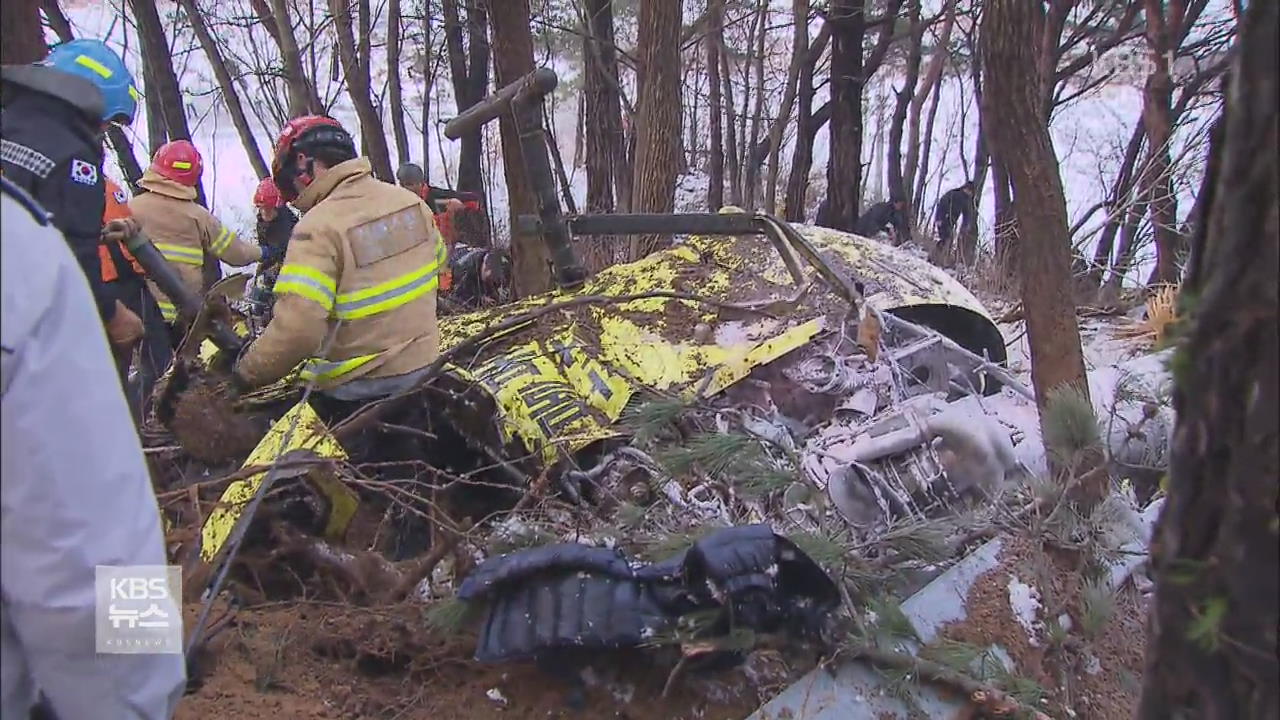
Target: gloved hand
{"x": 272, "y": 254}
{"x": 120, "y": 230}
{"x": 125, "y": 328}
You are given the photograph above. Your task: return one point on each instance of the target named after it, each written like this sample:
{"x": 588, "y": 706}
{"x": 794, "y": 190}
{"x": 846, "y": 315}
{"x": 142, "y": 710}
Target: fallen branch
{"x": 242, "y": 474}
{"x": 989, "y": 699}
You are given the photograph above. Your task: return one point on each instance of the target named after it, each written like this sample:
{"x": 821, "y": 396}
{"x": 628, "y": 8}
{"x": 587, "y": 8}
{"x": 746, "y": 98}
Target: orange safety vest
{"x": 117, "y": 208}
{"x": 444, "y": 223}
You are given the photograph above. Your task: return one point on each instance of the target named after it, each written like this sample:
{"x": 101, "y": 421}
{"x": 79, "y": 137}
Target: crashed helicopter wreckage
{"x": 821, "y": 334}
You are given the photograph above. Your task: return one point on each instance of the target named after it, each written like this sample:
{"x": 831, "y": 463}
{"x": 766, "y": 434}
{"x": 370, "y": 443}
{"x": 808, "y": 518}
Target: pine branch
{"x": 650, "y": 418}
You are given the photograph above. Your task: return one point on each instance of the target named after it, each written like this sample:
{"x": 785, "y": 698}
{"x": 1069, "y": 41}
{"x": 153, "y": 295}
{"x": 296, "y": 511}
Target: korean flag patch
{"x": 83, "y": 172}
{"x": 121, "y": 197}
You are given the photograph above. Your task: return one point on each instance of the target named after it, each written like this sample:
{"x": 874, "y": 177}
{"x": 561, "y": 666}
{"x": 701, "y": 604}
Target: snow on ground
{"x": 1088, "y": 133}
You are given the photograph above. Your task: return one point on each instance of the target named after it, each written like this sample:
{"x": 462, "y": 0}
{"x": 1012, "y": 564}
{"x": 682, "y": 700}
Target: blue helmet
{"x": 94, "y": 61}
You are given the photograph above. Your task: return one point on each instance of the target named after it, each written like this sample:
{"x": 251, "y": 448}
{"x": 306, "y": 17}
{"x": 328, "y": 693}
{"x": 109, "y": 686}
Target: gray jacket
{"x": 76, "y": 492}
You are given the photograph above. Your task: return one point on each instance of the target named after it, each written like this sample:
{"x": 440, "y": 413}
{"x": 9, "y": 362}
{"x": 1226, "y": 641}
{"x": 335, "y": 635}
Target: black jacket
{"x": 954, "y": 205}
{"x": 273, "y": 238}
{"x": 879, "y": 217}
{"x": 52, "y": 149}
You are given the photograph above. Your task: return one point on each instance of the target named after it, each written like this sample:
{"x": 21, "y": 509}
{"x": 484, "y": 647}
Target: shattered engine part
{"x": 569, "y": 598}
{"x": 921, "y": 459}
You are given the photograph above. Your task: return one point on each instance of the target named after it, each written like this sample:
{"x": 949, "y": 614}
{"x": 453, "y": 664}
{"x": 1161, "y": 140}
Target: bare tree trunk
{"x": 302, "y": 95}
{"x": 968, "y": 245}
{"x": 844, "y": 169}
{"x": 799, "y": 49}
{"x": 393, "y": 82}
{"x": 754, "y": 165}
{"x": 159, "y": 59}
{"x": 602, "y": 114}
{"x": 1020, "y": 140}
{"x": 1164, "y": 25}
{"x": 469, "y": 69}
{"x": 714, "y": 39}
{"x": 358, "y": 87}
{"x": 230, "y": 95}
{"x": 929, "y": 86}
{"x": 557, "y": 162}
{"x": 731, "y": 130}
{"x": 658, "y": 123}
{"x": 512, "y": 43}
{"x": 153, "y": 101}
{"x": 1118, "y": 201}
{"x": 806, "y": 128}
{"x": 922, "y": 210}
{"x": 21, "y": 37}
{"x": 429, "y": 83}
{"x": 1211, "y": 648}
{"x": 897, "y": 170}
{"x": 580, "y": 131}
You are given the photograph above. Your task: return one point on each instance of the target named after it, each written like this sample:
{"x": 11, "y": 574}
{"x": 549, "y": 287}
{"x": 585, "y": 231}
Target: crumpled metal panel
{"x": 561, "y": 381}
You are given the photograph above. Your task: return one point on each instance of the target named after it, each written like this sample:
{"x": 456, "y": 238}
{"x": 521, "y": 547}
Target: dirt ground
{"x": 314, "y": 661}
{"x": 1096, "y": 675}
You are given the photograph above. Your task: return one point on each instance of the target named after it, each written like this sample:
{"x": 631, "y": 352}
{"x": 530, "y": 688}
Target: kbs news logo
{"x": 136, "y": 611}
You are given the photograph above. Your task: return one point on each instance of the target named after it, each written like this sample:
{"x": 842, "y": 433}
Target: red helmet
{"x": 303, "y": 134}
{"x": 179, "y": 161}
{"x": 267, "y": 195}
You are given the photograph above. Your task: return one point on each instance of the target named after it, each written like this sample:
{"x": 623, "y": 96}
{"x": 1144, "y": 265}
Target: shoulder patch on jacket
{"x": 26, "y": 158}
{"x": 83, "y": 172}
{"x": 389, "y": 235}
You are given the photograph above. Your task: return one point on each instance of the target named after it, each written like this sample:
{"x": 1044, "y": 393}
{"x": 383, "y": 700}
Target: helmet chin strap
{"x": 305, "y": 176}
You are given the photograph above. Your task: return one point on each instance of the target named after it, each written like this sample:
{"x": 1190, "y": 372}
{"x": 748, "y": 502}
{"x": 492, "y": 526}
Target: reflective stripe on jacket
{"x": 367, "y": 256}
{"x": 182, "y": 230}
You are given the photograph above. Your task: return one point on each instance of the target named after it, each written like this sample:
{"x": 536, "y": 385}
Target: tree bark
{"x": 1211, "y": 648}
{"x": 152, "y": 100}
{"x": 1021, "y": 142}
{"x": 806, "y": 128}
{"x": 799, "y": 48}
{"x": 512, "y": 44}
{"x": 302, "y": 95}
{"x": 929, "y": 87}
{"x": 897, "y": 168}
{"x": 844, "y": 169}
{"x": 658, "y": 123}
{"x": 469, "y": 69}
{"x": 358, "y": 87}
{"x": 226, "y": 84}
{"x": 713, "y": 39}
{"x": 21, "y": 37}
{"x": 753, "y": 162}
{"x": 1163, "y": 26}
{"x": 1118, "y": 201}
{"x": 731, "y": 130}
{"x": 393, "y": 83}
{"x": 428, "y": 87}
{"x": 603, "y": 108}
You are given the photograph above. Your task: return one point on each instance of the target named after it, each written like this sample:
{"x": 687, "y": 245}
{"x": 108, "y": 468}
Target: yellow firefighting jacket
{"x": 181, "y": 230}
{"x": 367, "y": 256}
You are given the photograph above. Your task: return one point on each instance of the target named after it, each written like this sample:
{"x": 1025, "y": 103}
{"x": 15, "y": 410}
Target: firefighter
{"x": 76, "y": 492}
{"x": 127, "y": 280}
{"x": 182, "y": 230}
{"x": 955, "y": 206}
{"x": 55, "y": 115}
{"x": 357, "y": 292}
